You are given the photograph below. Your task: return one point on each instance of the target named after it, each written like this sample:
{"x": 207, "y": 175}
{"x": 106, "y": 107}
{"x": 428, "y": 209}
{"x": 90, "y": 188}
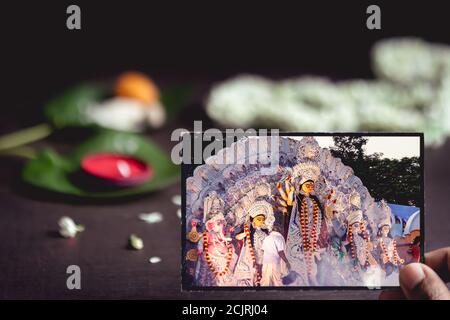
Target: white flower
{"x": 153, "y": 217}
{"x": 154, "y": 260}
{"x": 135, "y": 242}
{"x": 239, "y": 101}
{"x": 126, "y": 114}
{"x": 405, "y": 60}
{"x": 68, "y": 228}
{"x": 411, "y": 94}
{"x": 155, "y": 116}
{"x": 118, "y": 113}
{"x": 176, "y": 200}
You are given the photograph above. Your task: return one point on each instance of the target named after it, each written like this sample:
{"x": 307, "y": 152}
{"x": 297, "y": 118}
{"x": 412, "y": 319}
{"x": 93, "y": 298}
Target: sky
{"x": 395, "y": 147}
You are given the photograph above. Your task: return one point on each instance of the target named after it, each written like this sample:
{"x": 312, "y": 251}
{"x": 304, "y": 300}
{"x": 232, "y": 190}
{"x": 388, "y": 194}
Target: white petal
{"x": 119, "y": 113}
{"x": 67, "y": 227}
{"x": 153, "y": 217}
{"x": 66, "y": 222}
{"x": 154, "y": 260}
{"x": 176, "y": 199}
{"x": 156, "y": 115}
{"x": 136, "y": 242}
{"x": 67, "y": 233}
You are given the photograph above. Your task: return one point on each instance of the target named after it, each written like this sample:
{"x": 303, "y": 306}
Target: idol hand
{"x": 286, "y": 198}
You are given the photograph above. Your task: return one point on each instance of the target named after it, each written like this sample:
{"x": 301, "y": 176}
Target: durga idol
{"x": 304, "y": 222}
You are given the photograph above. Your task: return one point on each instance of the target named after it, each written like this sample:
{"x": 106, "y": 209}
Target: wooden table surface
{"x": 33, "y": 258}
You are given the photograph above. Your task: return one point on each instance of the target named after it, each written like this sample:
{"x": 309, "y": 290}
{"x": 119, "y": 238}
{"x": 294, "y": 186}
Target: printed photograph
{"x": 308, "y": 211}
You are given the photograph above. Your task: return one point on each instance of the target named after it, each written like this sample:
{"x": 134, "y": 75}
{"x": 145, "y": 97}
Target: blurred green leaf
{"x": 69, "y": 109}
{"x": 55, "y": 172}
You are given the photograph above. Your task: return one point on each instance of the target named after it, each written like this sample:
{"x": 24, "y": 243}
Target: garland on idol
{"x": 395, "y": 253}
{"x": 366, "y": 240}
{"x": 249, "y": 242}
{"x": 385, "y": 251}
{"x": 352, "y": 243}
{"x": 309, "y": 241}
{"x": 250, "y": 248}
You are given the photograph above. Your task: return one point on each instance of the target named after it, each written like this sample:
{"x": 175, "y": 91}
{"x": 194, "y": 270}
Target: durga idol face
{"x": 308, "y": 187}
{"x": 215, "y": 226}
{"x": 258, "y": 221}
{"x": 356, "y": 228}
{"x": 385, "y": 231}
{"x": 216, "y": 207}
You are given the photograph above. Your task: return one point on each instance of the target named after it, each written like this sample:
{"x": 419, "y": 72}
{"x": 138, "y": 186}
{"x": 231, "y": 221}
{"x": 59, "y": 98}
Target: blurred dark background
{"x": 193, "y": 41}
{"x": 198, "y": 42}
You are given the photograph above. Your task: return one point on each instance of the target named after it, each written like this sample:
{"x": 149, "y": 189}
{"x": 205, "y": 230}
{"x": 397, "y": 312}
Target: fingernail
{"x": 411, "y": 276}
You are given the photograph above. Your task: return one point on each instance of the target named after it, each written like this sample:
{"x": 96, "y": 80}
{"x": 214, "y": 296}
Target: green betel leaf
{"x": 61, "y": 174}
{"x": 49, "y": 171}
{"x": 69, "y": 109}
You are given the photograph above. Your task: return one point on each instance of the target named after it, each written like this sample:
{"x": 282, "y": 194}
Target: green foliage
{"x": 69, "y": 109}
{"x": 395, "y": 180}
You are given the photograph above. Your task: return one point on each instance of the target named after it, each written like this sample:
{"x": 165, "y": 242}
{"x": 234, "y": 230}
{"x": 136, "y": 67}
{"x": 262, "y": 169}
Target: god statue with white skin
{"x": 252, "y": 235}
{"x": 305, "y": 227}
{"x": 337, "y": 227}
{"x": 216, "y": 252}
{"x": 389, "y": 258}
{"x": 358, "y": 244}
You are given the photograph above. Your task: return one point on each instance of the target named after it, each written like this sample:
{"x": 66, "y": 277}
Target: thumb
{"x": 419, "y": 281}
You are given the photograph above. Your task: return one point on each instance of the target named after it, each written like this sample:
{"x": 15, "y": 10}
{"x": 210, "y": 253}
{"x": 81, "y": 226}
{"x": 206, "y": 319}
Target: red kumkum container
{"x": 117, "y": 169}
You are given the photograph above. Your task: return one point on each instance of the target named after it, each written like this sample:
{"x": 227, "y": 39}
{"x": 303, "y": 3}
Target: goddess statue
{"x": 305, "y": 226}
{"x": 216, "y": 252}
{"x": 387, "y": 249}
{"x": 357, "y": 243}
{"x": 249, "y": 266}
